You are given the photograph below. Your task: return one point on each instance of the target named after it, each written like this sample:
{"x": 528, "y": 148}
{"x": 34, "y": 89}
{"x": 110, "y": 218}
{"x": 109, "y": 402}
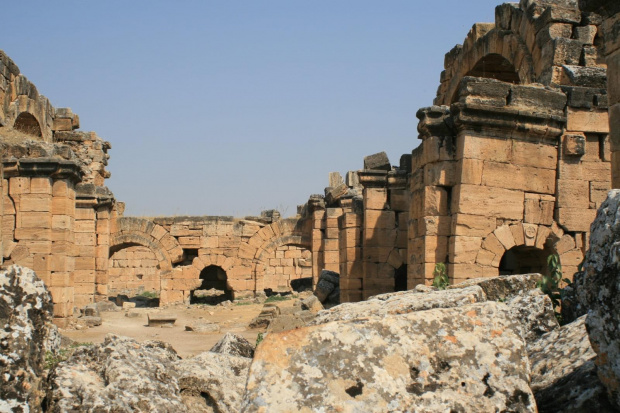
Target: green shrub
{"x": 259, "y": 338}
{"x": 275, "y": 298}
{"x": 148, "y": 294}
{"x": 440, "y": 276}
{"x": 550, "y": 283}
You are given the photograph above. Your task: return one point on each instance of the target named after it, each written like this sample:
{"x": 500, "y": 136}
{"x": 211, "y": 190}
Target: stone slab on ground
{"x": 469, "y": 358}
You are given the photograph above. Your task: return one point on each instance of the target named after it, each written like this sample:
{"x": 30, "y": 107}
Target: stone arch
{"x": 522, "y": 238}
{"x": 28, "y": 124}
{"x": 283, "y": 232}
{"x": 493, "y": 47}
{"x": 137, "y": 231}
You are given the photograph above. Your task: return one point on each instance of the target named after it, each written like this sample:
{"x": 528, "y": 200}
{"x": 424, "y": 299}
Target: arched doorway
{"x": 134, "y": 275}
{"x": 28, "y": 124}
{"x": 214, "y": 288}
{"x": 525, "y": 260}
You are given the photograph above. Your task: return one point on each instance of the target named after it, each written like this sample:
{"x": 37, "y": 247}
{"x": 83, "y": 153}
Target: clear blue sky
{"x": 228, "y": 107}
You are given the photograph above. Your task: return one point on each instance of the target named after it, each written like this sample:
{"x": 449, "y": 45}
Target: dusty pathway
{"x": 234, "y": 318}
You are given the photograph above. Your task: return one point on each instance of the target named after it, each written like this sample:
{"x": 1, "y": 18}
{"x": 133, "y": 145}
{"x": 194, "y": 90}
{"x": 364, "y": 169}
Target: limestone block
{"x": 333, "y": 213}
{"x": 576, "y": 219}
{"x": 598, "y": 192}
{"x": 63, "y": 206}
{"x": 33, "y": 234}
{"x": 611, "y": 33}
{"x": 565, "y": 244}
{"x": 491, "y": 243}
{"x": 62, "y": 222}
{"x": 375, "y": 198}
{"x": 464, "y": 250}
{"x": 330, "y": 245}
{"x": 472, "y": 225}
{"x": 614, "y": 120}
{"x": 380, "y": 219}
{"x": 84, "y": 226}
{"x": 435, "y": 226}
{"x": 399, "y": 200}
{"x": 574, "y": 145}
{"x": 597, "y": 171}
{"x": 469, "y": 171}
{"x": 485, "y": 258}
{"x": 541, "y": 236}
{"x": 19, "y": 185}
{"x": 505, "y": 237}
{"x": 573, "y": 193}
{"x": 487, "y": 201}
{"x": 483, "y": 148}
{"x": 440, "y": 174}
{"x": 583, "y": 120}
{"x": 351, "y": 219}
{"x": 536, "y": 155}
{"x": 571, "y": 258}
{"x": 41, "y": 220}
{"x": 378, "y": 161}
{"x": 41, "y": 186}
{"x": 35, "y": 203}
{"x": 519, "y": 177}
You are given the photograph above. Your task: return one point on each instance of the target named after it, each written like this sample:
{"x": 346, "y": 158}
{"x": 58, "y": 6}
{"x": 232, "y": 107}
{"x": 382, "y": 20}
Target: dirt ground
{"x": 234, "y": 318}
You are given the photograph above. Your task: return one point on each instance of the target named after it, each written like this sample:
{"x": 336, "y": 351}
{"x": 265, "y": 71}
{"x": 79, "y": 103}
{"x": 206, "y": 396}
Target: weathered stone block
{"x": 472, "y": 225}
{"x": 574, "y": 145}
{"x": 580, "y": 120}
{"x": 487, "y": 201}
{"x": 576, "y": 219}
{"x": 375, "y": 198}
{"x": 519, "y": 177}
{"x": 378, "y": 161}
{"x": 573, "y": 194}
{"x": 464, "y": 250}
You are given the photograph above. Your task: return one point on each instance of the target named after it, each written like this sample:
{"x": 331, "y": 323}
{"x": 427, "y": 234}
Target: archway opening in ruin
{"x": 134, "y": 275}
{"x": 495, "y": 66}
{"x": 400, "y": 278}
{"x": 525, "y": 260}
{"x": 28, "y": 124}
{"x": 214, "y": 288}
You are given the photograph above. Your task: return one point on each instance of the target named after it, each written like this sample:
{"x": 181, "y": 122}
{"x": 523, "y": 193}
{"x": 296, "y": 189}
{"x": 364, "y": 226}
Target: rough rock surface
{"x": 400, "y": 303}
{"x": 469, "y": 358}
{"x": 203, "y": 328}
{"x": 234, "y": 345}
{"x": 600, "y": 293}
{"x": 503, "y": 287}
{"x": 534, "y": 311}
{"x": 27, "y": 332}
{"x": 564, "y": 375}
{"x": 119, "y": 375}
{"x": 213, "y": 382}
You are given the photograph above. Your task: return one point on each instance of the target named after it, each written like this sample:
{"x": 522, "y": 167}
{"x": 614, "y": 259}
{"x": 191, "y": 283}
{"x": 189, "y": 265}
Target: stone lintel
{"x": 373, "y": 178}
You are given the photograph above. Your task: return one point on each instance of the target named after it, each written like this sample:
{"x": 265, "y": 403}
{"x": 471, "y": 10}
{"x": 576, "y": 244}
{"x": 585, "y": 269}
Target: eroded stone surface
{"x": 401, "y": 303}
{"x": 534, "y": 311}
{"x": 119, "y": 375}
{"x": 234, "y": 345}
{"x": 564, "y": 375}
{"x": 213, "y": 382}
{"x": 27, "y": 332}
{"x": 503, "y": 287}
{"x": 470, "y": 358}
{"x": 600, "y": 293}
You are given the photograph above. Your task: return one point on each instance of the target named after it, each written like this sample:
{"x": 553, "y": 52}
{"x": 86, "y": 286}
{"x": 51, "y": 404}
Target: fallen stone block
{"x": 203, "y": 328}
{"x": 564, "y": 377}
{"x": 158, "y": 320}
{"x": 401, "y": 303}
{"x": 469, "y": 359}
{"x": 504, "y": 287}
{"x": 378, "y": 161}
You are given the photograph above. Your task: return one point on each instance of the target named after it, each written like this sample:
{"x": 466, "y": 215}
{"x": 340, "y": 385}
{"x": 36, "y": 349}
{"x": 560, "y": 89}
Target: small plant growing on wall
{"x": 550, "y": 283}
{"x": 440, "y": 276}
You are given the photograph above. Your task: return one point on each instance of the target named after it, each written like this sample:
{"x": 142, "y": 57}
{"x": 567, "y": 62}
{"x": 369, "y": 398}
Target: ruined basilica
{"x": 515, "y": 158}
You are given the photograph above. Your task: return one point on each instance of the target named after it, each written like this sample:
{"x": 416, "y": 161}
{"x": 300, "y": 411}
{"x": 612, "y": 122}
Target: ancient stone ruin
{"x": 515, "y": 158}
{"x": 518, "y": 152}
